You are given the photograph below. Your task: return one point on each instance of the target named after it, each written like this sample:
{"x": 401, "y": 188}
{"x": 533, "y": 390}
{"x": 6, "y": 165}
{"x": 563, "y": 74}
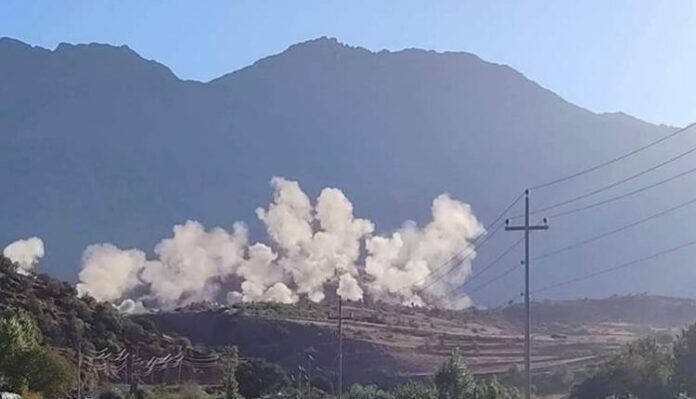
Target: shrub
{"x": 192, "y": 391}
{"x": 52, "y": 375}
{"x": 110, "y": 395}
{"x": 415, "y": 390}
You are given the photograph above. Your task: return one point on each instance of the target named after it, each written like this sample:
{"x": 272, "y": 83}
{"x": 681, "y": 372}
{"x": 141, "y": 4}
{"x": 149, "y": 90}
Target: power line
{"x": 493, "y": 263}
{"x": 455, "y": 265}
{"x": 496, "y": 278}
{"x": 581, "y": 243}
{"x": 511, "y": 301}
{"x": 470, "y": 245}
{"x": 617, "y": 230}
{"x": 618, "y": 197}
{"x": 485, "y": 268}
{"x": 614, "y": 184}
{"x": 507, "y": 209}
{"x": 614, "y": 160}
{"x": 614, "y": 268}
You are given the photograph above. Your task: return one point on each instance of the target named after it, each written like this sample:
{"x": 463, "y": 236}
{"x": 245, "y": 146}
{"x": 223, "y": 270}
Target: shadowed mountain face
{"x": 102, "y": 145}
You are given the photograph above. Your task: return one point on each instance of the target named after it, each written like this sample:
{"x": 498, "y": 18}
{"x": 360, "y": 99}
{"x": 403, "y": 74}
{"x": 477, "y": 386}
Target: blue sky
{"x": 636, "y": 56}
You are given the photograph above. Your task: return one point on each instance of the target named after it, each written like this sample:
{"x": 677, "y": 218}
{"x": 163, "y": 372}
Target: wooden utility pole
{"x": 340, "y": 319}
{"x": 79, "y": 369}
{"x": 231, "y": 361}
{"x": 310, "y": 359}
{"x": 299, "y": 381}
{"x": 528, "y": 326}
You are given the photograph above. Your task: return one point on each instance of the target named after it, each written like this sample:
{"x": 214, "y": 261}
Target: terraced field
{"x": 386, "y": 344}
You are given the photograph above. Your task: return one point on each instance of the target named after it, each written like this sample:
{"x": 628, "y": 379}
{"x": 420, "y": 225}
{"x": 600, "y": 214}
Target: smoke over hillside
{"x": 25, "y": 253}
{"x": 312, "y": 245}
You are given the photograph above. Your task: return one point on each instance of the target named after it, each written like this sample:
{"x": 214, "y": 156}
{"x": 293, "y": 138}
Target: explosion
{"x": 313, "y": 246}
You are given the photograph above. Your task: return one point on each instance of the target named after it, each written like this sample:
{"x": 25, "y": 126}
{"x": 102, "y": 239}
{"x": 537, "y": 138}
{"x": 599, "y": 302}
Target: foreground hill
{"x": 383, "y": 344}
{"x": 66, "y": 320}
{"x": 102, "y": 145}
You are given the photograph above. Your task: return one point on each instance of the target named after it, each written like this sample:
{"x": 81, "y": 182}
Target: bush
{"x": 358, "y": 391}
{"x": 110, "y": 395}
{"x": 20, "y": 341}
{"x": 161, "y": 392}
{"x": 52, "y": 375}
{"x": 257, "y": 377}
{"x": 192, "y": 391}
{"x": 453, "y": 379}
{"x": 31, "y": 395}
{"x": 415, "y": 390}
{"x": 642, "y": 370}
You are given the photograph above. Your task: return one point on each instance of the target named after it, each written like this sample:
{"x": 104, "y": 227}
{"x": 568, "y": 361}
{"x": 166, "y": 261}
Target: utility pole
{"x": 310, "y": 359}
{"x": 79, "y": 369}
{"x": 299, "y": 381}
{"x": 528, "y": 326}
{"x": 340, "y": 319}
{"x": 231, "y": 356}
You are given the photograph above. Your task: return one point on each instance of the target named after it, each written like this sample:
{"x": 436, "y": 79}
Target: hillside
{"x": 387, "y": 344}
{"x": 102, "y": 145}
{"x": 66, "y": 320}
{"x": 384, "y": 344}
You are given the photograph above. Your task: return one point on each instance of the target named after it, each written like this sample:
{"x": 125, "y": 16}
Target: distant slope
{"x": 102, "y": 145}
{"x": 387, "y": 344}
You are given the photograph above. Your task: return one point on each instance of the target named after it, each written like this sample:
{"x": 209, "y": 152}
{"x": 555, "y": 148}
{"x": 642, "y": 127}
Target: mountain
{"x": 101, "y": 145}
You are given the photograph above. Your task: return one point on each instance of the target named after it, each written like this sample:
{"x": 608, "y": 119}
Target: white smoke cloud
{"x": 349, "y": 288}
{"x": 310, "y": 245}
{"x": 130, "y": 306}
{"x": 403, "y": 266}
{"x": 260, "y": 272}
{"x": 190, "y": 263}
{"x": 25, "y": 253}
{"x": 108, "y": 272}
{"x": 314, "y": 255}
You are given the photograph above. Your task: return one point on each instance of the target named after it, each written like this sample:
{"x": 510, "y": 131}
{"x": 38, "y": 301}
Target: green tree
{"x": 415, "y": 390}
{"x": 358, "y": 391}
{"x": 231, "y": 356}
{"x": 493, "y": 389}
{"x": 453, "y": 379}
{"x": 20, "y": 341}
{"x": 257, "y": 377}
{"x": 685, "y": 361}
{"x": 52, "y": 375}
{"x": 641, "y": 370}
{"x": 192, "y": 391}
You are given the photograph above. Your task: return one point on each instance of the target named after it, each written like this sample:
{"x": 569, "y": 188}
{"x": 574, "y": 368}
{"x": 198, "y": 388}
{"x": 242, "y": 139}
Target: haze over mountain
{"x": 100, "y": 145}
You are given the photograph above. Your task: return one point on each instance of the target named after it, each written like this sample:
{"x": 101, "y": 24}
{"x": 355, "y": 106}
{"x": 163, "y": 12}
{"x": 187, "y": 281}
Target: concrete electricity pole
{"x": 527, "y": 333}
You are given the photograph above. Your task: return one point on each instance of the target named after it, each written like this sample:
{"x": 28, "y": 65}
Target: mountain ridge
{"x": 118, "y": 156}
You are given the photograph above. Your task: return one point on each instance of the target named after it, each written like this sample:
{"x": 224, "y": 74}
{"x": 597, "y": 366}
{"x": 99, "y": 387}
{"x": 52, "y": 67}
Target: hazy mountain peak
{"x": 8, "y": 42}
{"x": 324, "y": 44}
{"x": 93, "y": 59}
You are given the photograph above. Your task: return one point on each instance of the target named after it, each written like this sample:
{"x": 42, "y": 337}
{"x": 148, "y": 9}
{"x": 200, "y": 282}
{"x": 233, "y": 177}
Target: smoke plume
{"x": 312, "y": 245}
{"x": 25, "y": 253}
